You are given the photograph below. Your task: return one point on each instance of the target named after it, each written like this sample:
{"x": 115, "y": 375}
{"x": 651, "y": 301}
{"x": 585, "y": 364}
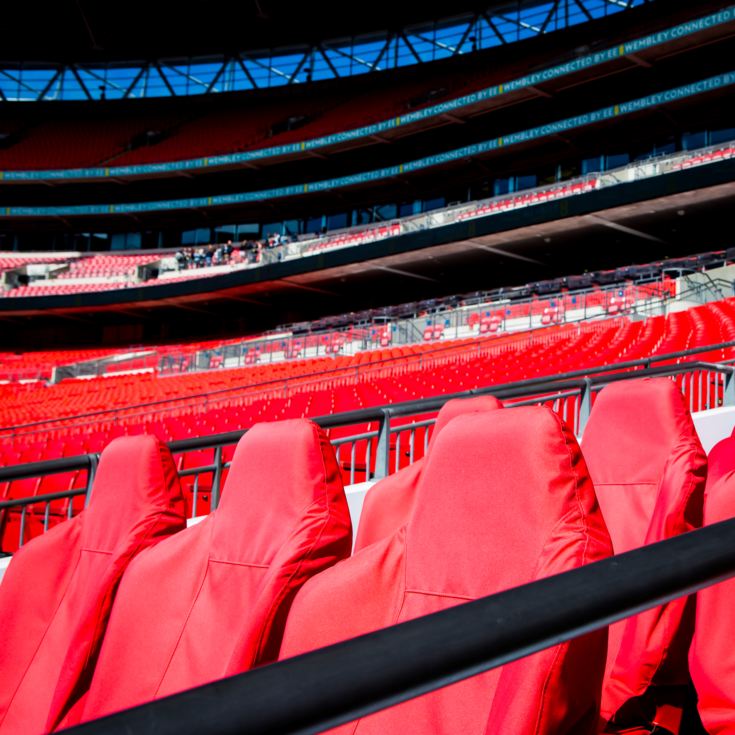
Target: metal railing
{"x": 456, "y": 317}
{"x": 371, "y": 443}
{"x": 699, "y": 293}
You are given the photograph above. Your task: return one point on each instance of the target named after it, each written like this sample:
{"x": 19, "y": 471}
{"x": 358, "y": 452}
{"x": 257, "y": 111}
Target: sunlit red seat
{"x": 504, "y": 498}
{"x": 57, "y": 592}
{"x": 213, "y": 599}
{"x": 649, "y": 471}
{"x": 388, "y": 503}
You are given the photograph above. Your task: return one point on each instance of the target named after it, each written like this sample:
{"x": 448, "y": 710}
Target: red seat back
{"x": 504, "y": 498}
{"x": 213, "y": 599}
{"x": 711, "y": 656}
{"x": 649, "y": 471}
{"x": 720, "y": 461}
{"x": 389, "y": 502}
{"x": 56, "y": 595}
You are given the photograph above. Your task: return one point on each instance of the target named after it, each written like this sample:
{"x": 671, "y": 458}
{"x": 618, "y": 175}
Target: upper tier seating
{"x": 108, "y": 266}
{"x": 711, "y": 656}
{"x": 56, "y": 595}
{"x": 388, "y": 504}
{"x": 9, "y": 261}
{"x": 520, "y": 464}
{"x": 649, "y": 471}
{"x": 213, "y": 599}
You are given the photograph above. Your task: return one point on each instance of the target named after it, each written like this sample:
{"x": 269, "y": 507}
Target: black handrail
{"x": 47, "y": 498}
{"x": 333, "y": 685}
{"x": 47, "y": 467}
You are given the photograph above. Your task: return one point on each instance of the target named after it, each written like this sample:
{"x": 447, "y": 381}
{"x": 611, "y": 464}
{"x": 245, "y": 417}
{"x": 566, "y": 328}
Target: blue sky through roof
{"x": 277, "y": 69}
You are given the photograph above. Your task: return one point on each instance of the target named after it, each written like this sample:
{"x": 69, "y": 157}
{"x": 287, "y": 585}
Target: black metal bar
{"x": 353, "y": 438}
{"x": 22, "y": 502}
{"x": 201, "y": 470}
{"x": 662, "y": 371}
{"x": 217, "y": 478}
{"x": 48, "y": 467}
{"x": 333, "y": 685}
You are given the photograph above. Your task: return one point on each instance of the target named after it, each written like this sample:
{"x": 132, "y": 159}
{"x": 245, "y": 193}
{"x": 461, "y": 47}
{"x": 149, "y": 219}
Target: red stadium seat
{"x": 58, "y": 590}
{"x": 504, "y": 498}
{"x": 213, "y": 599}
{"x": 711, "y": 657}
{"x": 388, "y": 503}
{"x": 649, "y": 472}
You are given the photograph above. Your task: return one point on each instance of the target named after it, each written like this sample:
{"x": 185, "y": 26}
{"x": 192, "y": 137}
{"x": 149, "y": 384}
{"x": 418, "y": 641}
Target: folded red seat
{"x": 56, "y": 595}
{"x": 711, "y": 656}
{"x": 213, "y": 599}
{"x": 504, "y": 499}
{"x": 388, "y": 503}
{"x": 649, "y": 471}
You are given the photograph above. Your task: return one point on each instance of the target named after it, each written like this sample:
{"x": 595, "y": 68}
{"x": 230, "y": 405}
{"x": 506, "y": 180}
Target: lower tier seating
{"x": 711, "y": 656}
{"x": 388, "y": 504}
{"x": 502, "y": 498}
{"x": 649, "y": 470}
{"x": 223, "y": 587}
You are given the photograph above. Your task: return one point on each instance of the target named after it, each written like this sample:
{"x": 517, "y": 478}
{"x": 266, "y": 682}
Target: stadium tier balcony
{"x": 58, "y": 289}
{"x": 137, "y": 138}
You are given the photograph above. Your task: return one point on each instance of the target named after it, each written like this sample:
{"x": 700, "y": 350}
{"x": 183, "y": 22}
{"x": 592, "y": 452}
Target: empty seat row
{"x": 525, "y": 200}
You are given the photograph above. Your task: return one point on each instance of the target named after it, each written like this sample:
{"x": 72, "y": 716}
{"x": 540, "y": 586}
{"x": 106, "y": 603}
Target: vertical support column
{"x": 382, "y": 454}
{"x": 91, "y": 472}
{"x": 585, "y": 405}
{"x": 217, "y": 480}
{"x": 728, "y": 395}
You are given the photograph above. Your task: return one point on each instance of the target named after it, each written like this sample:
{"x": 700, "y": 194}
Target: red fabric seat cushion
{"x": 57, "y": 593}
{"x": 504, "y": 498}
{"x": 212, "y": 600}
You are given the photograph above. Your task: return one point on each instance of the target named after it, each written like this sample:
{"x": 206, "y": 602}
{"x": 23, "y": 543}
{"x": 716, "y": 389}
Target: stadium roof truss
{"x": 235, "y": 72}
